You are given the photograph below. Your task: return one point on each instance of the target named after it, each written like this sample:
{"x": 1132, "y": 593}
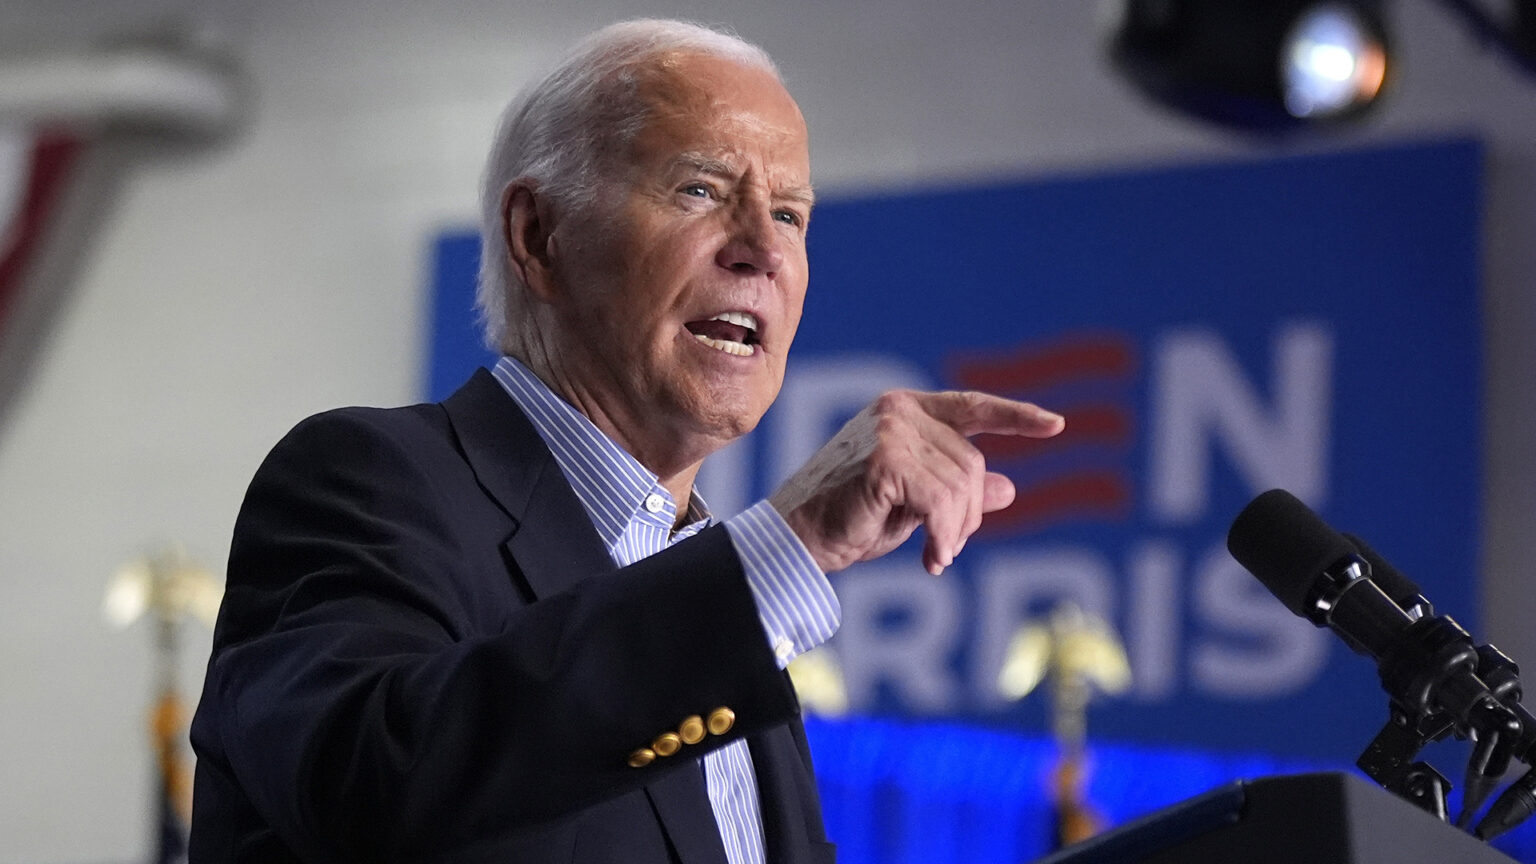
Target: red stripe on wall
{"x": 53, "y": 155}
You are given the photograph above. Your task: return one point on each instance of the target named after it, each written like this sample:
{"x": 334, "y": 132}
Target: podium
{"x": 1332, "y": 818}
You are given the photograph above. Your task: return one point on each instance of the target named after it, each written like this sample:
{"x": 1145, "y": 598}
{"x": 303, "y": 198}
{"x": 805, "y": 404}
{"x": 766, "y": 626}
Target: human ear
{"x": 528, "y": 223}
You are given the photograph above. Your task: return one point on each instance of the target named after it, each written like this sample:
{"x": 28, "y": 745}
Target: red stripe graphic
{"x": 1070, "y": 371}
{"x": 1083, "y": 494}
{"x": 53, "y": 154}
{"x": 1103, "y": 424}
{"x": 1034, "y": 369}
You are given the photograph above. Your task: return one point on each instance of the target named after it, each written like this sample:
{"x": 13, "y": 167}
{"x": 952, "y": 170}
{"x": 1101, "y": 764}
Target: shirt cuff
{"x": 795, "y": 602}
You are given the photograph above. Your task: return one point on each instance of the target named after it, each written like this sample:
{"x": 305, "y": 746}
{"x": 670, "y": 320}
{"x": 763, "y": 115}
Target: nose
{"x": 754, "y": 243}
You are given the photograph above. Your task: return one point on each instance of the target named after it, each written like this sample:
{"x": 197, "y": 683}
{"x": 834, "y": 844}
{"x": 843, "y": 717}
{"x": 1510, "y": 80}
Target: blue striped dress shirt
{"x": 634, "y": 514}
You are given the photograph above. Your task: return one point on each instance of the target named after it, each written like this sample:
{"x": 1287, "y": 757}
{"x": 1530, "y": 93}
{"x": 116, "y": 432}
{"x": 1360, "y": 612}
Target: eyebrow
{"x": 709, "y": 165}
{"x": 799, "y": 194}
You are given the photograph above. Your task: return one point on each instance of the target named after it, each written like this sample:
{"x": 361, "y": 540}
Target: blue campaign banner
{"x": 1308, "y": 322}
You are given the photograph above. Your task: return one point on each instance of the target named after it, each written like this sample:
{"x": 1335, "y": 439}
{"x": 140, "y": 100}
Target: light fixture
{"x": 1261, "y": 64}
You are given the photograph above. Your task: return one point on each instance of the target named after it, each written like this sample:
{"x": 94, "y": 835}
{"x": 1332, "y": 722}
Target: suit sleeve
{"x": 382, "y": 688}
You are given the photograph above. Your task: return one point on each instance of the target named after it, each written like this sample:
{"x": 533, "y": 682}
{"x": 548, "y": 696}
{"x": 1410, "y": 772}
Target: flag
{"x": 36, "y": 169}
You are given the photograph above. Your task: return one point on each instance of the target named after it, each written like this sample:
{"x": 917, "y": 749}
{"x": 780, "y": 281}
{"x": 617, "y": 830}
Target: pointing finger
{"x": 970, "y": 412}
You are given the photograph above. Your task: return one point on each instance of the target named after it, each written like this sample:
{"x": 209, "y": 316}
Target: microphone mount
{"x": 1428, "y": 664}
{"x": 1518, "y": 802}
{"x": 1429, "y": 671}
{"x": 1388, "y": 760}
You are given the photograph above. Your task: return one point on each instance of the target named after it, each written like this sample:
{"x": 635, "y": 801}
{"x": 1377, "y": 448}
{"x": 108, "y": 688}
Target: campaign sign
{"x": 1307, "y": 322}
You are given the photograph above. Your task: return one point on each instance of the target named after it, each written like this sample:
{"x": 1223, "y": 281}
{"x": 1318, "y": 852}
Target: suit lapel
{"x": 555, "y": 546}
{"x": 554, "y": 543}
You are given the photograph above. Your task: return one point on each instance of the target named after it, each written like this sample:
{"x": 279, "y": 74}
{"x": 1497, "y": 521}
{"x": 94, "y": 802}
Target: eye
{"x": 697, "y": 189}
{"x": 789, "y": 217}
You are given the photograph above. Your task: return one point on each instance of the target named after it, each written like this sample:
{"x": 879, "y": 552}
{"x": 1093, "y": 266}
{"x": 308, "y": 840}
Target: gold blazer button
{"x": 667, "y": 743}
{"x": 691, "y": 730}
{"x": 721, "y": 720}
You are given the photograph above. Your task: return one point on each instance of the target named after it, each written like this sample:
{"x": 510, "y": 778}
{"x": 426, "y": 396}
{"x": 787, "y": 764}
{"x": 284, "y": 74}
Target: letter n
{"x": 1200, "y": 399}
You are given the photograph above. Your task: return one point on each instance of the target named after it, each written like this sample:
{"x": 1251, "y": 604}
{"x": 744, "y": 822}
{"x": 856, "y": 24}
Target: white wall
{"x": 233, "y": 293}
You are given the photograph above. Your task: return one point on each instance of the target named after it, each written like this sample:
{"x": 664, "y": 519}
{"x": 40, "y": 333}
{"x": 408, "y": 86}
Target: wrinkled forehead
{"x": 702, "y": 103}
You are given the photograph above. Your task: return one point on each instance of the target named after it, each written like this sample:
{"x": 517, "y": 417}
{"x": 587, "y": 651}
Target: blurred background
{"x": 222, "y": 217}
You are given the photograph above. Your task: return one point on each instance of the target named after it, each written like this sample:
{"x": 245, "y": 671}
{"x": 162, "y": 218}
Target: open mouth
{"x": 731, "y": 332}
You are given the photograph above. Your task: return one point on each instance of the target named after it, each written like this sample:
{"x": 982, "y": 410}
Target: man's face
{"x": 682, "y": 293}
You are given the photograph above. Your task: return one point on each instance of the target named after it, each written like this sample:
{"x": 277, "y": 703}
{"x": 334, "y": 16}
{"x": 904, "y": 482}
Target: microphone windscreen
{"x": 1285, "y": 545}
{"x": 1403, "y": 591}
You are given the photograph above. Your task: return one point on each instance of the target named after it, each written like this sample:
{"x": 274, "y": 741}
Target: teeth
{"x": 740, "y": 319}
{"x": 735, "y": 348}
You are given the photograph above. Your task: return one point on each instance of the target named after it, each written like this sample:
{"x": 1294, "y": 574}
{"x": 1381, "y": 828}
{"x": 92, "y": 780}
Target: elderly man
{"x": 503, "y": 628}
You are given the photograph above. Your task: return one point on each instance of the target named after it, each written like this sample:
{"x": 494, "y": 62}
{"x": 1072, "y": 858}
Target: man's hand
{"x": 902, "y": 462}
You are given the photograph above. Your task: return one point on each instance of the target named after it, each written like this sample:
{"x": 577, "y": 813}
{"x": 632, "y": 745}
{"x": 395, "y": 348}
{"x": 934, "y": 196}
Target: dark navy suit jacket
{"x": 425, "y": 653}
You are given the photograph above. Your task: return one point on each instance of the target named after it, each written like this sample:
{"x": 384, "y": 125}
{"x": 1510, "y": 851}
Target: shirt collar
{"x": 611, "y": 484}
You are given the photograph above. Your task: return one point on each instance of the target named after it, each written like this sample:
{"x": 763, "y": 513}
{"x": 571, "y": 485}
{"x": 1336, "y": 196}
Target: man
{"x": 502, "y": 628}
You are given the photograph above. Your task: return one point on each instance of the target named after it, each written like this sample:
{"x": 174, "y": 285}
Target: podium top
{"x": 1330, "y": 817}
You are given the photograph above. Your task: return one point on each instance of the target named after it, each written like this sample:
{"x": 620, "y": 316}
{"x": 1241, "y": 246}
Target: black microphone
{"x": 1403, "y": 591}
{"x": 1427, "y": 665}
{"x": 1500, "y": 673}
{"x": 1315, "y": 572}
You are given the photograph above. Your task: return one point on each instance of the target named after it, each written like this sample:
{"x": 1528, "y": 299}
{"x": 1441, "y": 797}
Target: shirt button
{"x": 783, "y": 650}
{"x": 654, "y": 503}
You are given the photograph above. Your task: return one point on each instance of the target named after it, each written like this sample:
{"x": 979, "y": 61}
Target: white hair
{"x": 557, "y": 132}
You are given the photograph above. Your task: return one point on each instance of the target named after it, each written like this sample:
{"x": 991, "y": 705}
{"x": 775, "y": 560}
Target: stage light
{"x": 1261, "y": 64}
{"x": 1333, "y": 64}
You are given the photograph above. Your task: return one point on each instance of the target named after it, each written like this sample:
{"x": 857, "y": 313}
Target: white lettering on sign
{"x": 1200, "y": 399}
{"x": 1192, "y": 620}
{"x": 1253, "y": 648}
{"x": 1153, "y": 628}
{"x": 904, "y": 630}
{"x": 1015, "y": 587}
{"x": 900, "y": 627}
